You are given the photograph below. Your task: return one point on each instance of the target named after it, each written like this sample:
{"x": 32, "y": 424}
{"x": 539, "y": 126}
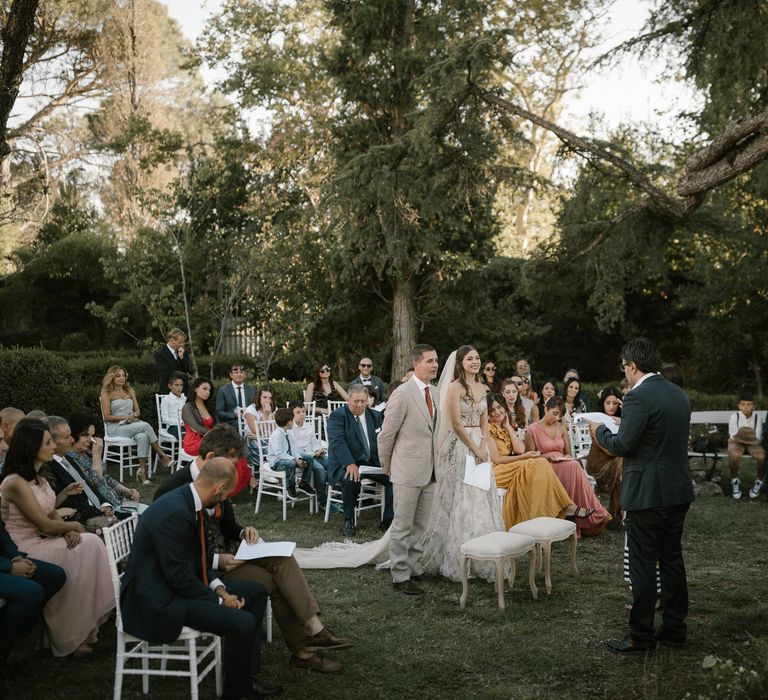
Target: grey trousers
{"x": 413, "y": 505}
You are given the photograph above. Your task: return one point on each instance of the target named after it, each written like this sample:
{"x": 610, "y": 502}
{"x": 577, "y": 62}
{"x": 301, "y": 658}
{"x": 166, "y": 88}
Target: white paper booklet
{"x": 478, "y": 475}
{"x": 366, "y": 469}
{"x": 598, "y": 417}
{"x": 264, "y": 549}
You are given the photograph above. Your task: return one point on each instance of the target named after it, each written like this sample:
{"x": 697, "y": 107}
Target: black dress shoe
{"x": 349, "y": 529}
{"x": 407, "y": 588}
{"x": 384, "y": 524}
{"x": 262, "y": 690}
{"x": 630, "y": 646}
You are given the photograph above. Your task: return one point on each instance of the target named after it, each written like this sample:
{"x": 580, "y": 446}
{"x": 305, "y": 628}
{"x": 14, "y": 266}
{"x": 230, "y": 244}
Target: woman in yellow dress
{"x": 533, "y": 489}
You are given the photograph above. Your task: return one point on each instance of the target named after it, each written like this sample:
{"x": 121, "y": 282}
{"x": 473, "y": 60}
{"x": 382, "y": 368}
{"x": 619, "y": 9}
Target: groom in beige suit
{"x": 407, "y": 453}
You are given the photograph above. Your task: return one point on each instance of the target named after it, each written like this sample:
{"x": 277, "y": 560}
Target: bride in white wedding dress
{"x": 460, "y": 512}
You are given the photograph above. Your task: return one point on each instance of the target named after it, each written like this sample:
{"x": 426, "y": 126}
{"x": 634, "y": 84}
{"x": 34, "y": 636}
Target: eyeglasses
{"x": 366, "y": 364}
{"x": 325, "y": 369}
{"x": 518, "y": 383}
{"x": 238, "y": 369}
{"x": 624, "y": 365}
{"x": 490, "y": 369}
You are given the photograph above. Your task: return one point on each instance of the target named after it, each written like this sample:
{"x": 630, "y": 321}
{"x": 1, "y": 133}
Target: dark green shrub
{"x": 34, "y": 378}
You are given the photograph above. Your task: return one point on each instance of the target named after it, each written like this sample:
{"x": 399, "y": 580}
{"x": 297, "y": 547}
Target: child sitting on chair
{"x": 745, "y": 433}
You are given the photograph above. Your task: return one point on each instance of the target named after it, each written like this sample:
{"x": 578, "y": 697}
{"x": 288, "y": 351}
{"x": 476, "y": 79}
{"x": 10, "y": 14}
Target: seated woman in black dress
{"x": 323, "y": 389}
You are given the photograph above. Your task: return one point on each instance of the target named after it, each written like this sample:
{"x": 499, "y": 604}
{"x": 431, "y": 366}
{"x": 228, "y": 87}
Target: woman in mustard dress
{"x": 533, "y": 489}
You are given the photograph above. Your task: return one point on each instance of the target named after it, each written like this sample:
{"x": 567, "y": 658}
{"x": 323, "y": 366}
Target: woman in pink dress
{"x": 548, "y": 435}
{"x": 28, "y": 503}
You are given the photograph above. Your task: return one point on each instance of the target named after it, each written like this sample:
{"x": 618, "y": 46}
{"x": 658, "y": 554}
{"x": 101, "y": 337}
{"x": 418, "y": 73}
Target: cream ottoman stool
{"x": 498, "y": 547}
{"x": 546, "y": 531}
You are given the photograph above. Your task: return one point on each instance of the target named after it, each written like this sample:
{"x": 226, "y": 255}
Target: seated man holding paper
{"x": 293, "y": 604}
{"x": 352, "y": 447}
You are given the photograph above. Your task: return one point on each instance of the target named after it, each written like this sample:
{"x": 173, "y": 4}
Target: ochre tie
{"x": 201, "y": 520}
{"x": 428, "y": 396}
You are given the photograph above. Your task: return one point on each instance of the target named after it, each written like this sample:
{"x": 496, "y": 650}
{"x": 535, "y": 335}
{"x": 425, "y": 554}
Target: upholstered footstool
{"x": 498, "y": 547}
{"x": 546, "y": 531}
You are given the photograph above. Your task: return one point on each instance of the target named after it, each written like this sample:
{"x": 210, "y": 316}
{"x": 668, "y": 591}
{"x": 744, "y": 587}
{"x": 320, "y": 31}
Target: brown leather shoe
{"x": 316, "y": 663}
{"x": 407, "y": 587}
{"x": 326, "y": 639}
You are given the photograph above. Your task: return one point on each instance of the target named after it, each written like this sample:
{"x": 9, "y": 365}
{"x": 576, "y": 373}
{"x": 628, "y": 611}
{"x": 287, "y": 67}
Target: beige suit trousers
{"x": 413, "y": 505}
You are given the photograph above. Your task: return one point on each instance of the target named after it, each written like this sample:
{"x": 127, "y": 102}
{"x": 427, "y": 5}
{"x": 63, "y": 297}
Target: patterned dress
{"x": 460, "y": 512}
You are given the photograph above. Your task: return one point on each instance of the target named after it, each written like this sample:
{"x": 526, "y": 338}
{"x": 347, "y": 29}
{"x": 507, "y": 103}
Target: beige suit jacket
{"x": 407, "y": 438}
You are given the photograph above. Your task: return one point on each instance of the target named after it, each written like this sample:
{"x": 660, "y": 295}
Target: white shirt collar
{"x": 237, "y": 386}
{"x": 173, "y": 352}
{"x": 419, "y": 383}
{"x": 194, "y": 470}
{"x": 643, "y": 378}
{"x": 196, "y": 496}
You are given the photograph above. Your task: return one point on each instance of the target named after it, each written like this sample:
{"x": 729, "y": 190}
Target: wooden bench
{"x": 714, "y": 418}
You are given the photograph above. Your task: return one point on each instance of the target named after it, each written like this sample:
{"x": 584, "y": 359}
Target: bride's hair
{"x": 458, "y": 371}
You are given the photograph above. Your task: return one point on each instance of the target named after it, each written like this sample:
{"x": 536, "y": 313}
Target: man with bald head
{"x": 168, "y": 583}
{"x": 9, "y": 416}
{"x": 368, "y": 378}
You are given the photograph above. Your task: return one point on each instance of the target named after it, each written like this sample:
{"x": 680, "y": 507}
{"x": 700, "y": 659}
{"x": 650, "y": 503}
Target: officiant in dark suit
{"x": 656, "y": 492}
{"x": 172, "y": 358}
{"x": 352, "y": 442}
{"x": 294, "y": 606}
{"x": 168, "y": 583}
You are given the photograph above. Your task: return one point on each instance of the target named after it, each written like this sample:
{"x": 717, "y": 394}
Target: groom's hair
{"x": 419, "y": 350}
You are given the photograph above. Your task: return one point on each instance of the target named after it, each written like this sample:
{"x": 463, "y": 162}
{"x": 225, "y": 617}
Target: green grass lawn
{"x": 552, "y": 647}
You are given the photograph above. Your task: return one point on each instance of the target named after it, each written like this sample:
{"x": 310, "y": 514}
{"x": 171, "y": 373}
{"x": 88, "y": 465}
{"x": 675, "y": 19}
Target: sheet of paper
{"x": 597, "y": 417}
{"x": 365, "y": 469}
{"x": 478, "y": 475}
{"x": 264, "y": 549}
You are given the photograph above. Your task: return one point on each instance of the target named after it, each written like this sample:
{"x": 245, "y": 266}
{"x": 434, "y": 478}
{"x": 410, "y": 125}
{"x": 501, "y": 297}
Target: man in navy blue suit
{"x": 168, "y": 583}
{"x": 656, "y": 492}
{"x": 26, "y": 585}
{"x": 232, "y": 399}
{"x": 352, "y": 443}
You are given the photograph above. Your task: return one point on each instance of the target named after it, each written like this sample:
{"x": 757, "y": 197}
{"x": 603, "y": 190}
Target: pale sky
{"x": 628, "y": 91}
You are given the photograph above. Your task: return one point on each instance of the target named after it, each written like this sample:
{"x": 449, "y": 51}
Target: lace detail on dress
{"x": 460, "y": 512}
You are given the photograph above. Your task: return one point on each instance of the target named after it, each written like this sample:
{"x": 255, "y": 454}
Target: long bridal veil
{"x": 350, "y": 555}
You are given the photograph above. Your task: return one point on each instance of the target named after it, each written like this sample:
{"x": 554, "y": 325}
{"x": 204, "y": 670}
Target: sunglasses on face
{"x": 238, "y": 369}
{"x": 518, "y": 383}
{"x": 490, "y": 369}
{"x": 364, "y": 364}
{"x": 325, "y": 369}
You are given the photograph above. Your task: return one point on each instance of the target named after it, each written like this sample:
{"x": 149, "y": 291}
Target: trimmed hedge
{"x": 60, "y": 385}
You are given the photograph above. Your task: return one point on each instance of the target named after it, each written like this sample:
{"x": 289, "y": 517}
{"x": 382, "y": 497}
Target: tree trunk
{"x": 15, "y": 34}
{"x": 403, "y": 327}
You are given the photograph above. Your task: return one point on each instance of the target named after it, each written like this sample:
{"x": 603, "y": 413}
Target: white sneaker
{"x": 736, "y": 485}
{"x": 754, "y": 492}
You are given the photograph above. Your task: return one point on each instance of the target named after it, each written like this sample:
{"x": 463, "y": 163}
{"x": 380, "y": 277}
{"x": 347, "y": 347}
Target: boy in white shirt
{"x": 282, "y": 456}
{"x": 311, "y": 450}
{"x": 171, "y": 404}
{"x": 745, "y": 433}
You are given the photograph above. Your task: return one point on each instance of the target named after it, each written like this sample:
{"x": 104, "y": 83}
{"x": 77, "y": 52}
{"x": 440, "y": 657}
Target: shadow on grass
{"x": 553, "y": 647}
